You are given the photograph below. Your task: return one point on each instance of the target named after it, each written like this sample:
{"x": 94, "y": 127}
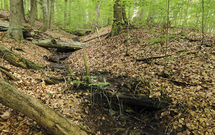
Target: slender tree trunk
{"x": 15, "y": 28}
{"x": 48, "y": 6}
{"x": 69, "y": 15}
{"x": 117, "y": 20}
{"x": 45, "y": 16}
{"x": 65, "y": 13}
{"x": 124, "y": 17}
{"x": 40, "y": 15}
{"x": 51, "y": 12}
{"x": 23, "y": 13}
{"x": 33, "y": 11}
{"x": 97, "y": 15}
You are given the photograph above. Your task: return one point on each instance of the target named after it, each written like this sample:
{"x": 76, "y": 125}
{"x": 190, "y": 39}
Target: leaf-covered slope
{"x": 190, "y": 71}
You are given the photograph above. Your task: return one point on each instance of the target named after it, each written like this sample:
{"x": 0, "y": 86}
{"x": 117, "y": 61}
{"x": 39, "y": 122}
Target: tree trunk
{"x": 15, "y": 28}
{"x": 124, "y": 17}
{"x": 69, "y": 18}
{"x": 61, "y": 45}
{"x": 97, "y": 15}
{"x": 23, "y": 13}
{"x": 65, "y": 13}
{"x": 45, "y": 16}
{"x": 117, "y": 21}
{"x": 45, "y": 116}
{"x": 33, "y": 11}
{"x": 51, "y": 12}
{"x": 17, "y": 60}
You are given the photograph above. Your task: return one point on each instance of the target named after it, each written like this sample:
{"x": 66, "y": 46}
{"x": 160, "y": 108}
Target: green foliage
{"x": 80, "y": 14}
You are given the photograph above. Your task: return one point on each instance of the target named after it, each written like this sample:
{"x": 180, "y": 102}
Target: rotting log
{"x": 27, "y": 31}
{"x": 4, "y": 26}
{"x": 17, "y": 60}
{"x": 62, "y": 45}
{"x": 45, "y": 116}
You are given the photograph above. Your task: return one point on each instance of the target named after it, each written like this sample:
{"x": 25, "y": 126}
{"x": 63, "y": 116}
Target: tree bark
{"x": 97, "y": 15}
{"x": 51, "y": 13}
{"x": 45, "y": 16}
{"x": 124, "y": 17}
{"x": 17, "y": 60}
{"x": 23, "y": 12}
{"x": 45, "y": 116}
{"x": 33, "y": 11}
{"x": 15, "y": 28}
{"x": 61, "y": 45}
{"x": 117, "y": 21}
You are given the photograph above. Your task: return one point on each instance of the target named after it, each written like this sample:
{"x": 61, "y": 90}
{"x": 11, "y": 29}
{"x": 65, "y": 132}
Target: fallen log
{"x": 142, "y": 99}
{"x": 62, "y": 45}
{"x": 27, "y": 31}
{"x": 4, "y": 26}
{"x": 46, "y": 117}
{"x": 17, "y": 60}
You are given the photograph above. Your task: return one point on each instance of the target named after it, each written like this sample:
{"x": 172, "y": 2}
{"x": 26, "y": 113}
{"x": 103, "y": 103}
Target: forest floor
{"x": 189, "y": 81}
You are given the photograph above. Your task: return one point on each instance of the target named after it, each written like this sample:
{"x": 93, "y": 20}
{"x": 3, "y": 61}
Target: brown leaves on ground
{"x": 189, "y": 81}
{"x": 190, "y": 69}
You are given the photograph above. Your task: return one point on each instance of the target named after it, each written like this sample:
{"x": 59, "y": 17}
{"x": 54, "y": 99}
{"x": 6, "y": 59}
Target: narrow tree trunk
{"x": 15, "y": 28}
{"x": 117, "y": 20}
{"x": 65, "y": 13}
{"x": 50, "y": 15}
{"x": 45, "y": 16}
{"x": 124, "y": 17}
{"x": 23, "y": 13}
{"x": 70, "y": 13}
{"x": 45, "y": 116}
{"x": 97, "y": 15}
{"x": 33, "y": 11}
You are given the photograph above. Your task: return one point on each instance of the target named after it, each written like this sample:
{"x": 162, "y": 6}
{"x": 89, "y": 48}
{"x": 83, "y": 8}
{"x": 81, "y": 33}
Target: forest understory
{"x": 188, "y": 81}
